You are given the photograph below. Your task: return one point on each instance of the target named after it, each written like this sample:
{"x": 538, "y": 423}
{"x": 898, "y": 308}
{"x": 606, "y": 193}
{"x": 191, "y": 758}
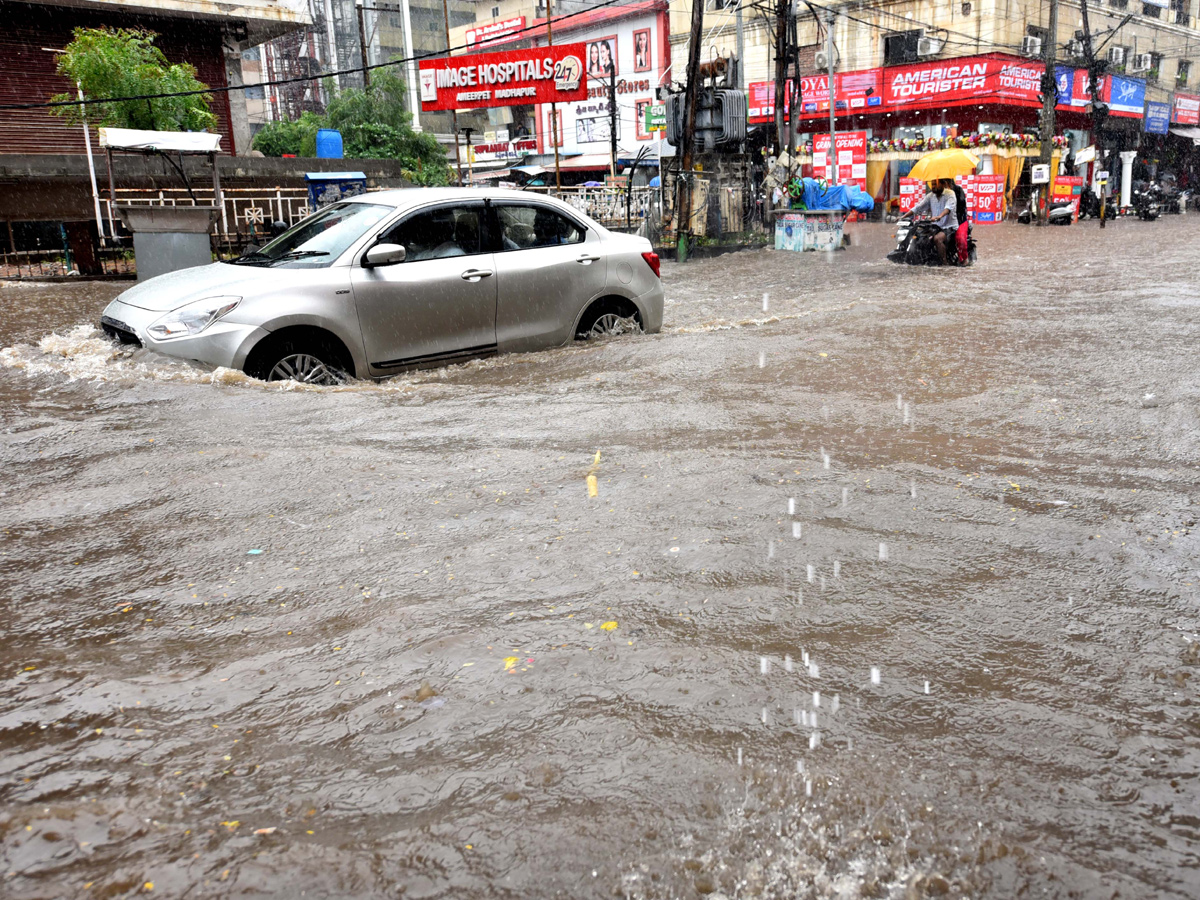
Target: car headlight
{"x": 192, "y": 318}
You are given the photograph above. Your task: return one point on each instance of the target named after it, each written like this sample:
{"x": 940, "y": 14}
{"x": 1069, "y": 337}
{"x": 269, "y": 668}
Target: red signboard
{"x": 762, "y": 102}
{"x": 911, "y": 192}
{"x": 851, "y": 157}
{"x": 854, "y": 91}
{"x": 1068, "y": 187}
{"x": 508, "y": 78}
{"x": 1185, "y": 110}
{"x": 976, "y": 79}
{"x": 989, "y": 199}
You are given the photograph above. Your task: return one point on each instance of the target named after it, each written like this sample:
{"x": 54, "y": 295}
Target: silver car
{"x": 398, "y": 280}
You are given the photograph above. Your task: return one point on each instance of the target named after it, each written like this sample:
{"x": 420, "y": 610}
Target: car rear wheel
{"x": 609, "y": 317}
{"x": 304, "y": 368}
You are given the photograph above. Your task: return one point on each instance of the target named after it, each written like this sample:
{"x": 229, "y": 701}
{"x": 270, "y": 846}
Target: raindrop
{"x": 764, "y": 665}
{"x": 808, "y": 787}
{"x": 814, "y": 740}
{"x": 812, "y": 573}
{"x": 804, "y": 717}
{"x": 796, "y": 529}
{"x": 927, "y": 687}
{"x": 766, "y": 302}
{"x": 822, "y": 582}
{"x": 813, "y": 670}
{"x": 883, "y": 552}
{"x": 907, "y": 414}
{"x": 813, "y": 719}
{"x": 764, "y": 715}
{"x": 876, "y": 678}
{"x": 825, "y": 413}
{"x": 800, "y": 596}
{"x": 912, "y": 488}
{"x": 899, "y": 402}
{"x": 837, "y": 568}
{"x": 800, "y": 767}
{"x": 787, "y": 663}
{"x": 816, "y": 698}
{"x": 804, "y": 657}
{"x": 770, "y": 549}
{"x": 826, "y": 456}
{"x": 845, "y": 496}
{"x": 791, "y": 506}
{"x": 836, "y": 704}
{"x": 739, "y": 756}
{"x": 762, "y": 359}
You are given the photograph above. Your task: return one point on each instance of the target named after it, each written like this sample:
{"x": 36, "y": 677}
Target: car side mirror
{"x": 384, "y": 255}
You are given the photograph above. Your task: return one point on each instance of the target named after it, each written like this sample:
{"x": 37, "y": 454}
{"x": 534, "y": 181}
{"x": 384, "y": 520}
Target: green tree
{"x": 374, "y": 124}
{"x": 123, "y": 62}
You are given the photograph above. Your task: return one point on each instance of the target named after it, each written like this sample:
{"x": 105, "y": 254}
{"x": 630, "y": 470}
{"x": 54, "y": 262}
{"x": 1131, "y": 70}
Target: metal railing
{"x": 245, "y": 212}
{"x": 113, "y": 261}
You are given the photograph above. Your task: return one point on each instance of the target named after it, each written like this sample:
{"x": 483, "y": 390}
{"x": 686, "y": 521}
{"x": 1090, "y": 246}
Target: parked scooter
{"x": 1147, "y": 201}
{"x": 1061, "y": 213}
{"x": 915, "y": 246}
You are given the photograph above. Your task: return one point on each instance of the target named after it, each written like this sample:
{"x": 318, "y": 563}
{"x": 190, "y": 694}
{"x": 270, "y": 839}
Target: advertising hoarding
{"x": 851, "y": 159}
{"x": 506, "y": 78}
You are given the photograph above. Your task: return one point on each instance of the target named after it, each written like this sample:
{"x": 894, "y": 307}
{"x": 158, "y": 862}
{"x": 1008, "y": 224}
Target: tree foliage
{"x": 123, "y": 62}
{"x": 374, "y": 125}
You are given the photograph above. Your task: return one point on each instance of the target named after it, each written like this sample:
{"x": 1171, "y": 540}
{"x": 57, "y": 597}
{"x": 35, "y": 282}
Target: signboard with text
{"x": 1185, "y": 109}
{"x": 972, "y": 78}
{"x": 851, "y": 157}
{"x": 1158, "y": 118}
{"x": 508, "y": 78}
{"x": 912, "y": 190}
{"x": 1124, "y": 96}
{"x": 1068, "y": 187}
{"x": 989, "y": 199}
{"x": 761, "y": 100}
{"x": 489, "y": 31}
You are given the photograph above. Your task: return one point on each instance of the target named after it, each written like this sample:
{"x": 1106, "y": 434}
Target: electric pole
{"x": 831, "y": 161}
{"x": 1099, "y": 110}
{"x": 362, "y": 44}
{"x": 781, "y": 13}
{"x": 683, "y": 211}
{"x": 612, "y": 118}
{"x": 453, "y": 112}
{"x": 554, "y": 137}
{"x": 1049, "y": 100}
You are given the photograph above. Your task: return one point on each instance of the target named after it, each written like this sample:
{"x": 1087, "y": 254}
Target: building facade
{"x": 209, "y": 35}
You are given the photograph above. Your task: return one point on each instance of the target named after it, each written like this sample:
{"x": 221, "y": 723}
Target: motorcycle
{"x": 915, "y": 246}
{"x": 1061, "y": 213}
{"x": 1147, "y": 201}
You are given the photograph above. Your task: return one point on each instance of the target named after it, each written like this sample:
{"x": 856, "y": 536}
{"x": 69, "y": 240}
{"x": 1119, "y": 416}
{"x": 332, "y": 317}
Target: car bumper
{"x": 650, "y": 304}
{"x": 223, "y": 343}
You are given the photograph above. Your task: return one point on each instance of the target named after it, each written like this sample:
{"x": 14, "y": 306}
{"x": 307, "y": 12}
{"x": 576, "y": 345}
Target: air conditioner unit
{"x": 1116, "y": 56}
{"x": 1031, "y": 46}
{"x": 1074, "y": 48}
{"x": 927, "y": 46}
{"x": 821, "y": 60}
{"x": 1142, "y": 63}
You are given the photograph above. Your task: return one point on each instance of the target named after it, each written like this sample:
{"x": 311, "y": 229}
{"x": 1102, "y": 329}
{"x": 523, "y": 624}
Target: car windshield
{"x": 318, "y": 240}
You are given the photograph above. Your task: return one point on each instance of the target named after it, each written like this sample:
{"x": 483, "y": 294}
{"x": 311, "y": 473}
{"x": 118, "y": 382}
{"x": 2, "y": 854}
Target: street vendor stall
{"x": 816, "y": 217}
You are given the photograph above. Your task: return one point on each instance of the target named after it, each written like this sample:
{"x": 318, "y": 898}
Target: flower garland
{"x": 998, "y": 140}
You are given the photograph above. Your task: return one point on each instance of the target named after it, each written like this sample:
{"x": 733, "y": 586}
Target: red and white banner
{"x": 851, "y": 159}
{"x": 1185, "y": 110}
{"x": 762, "y": 102}
{"x": 489, "y": 31}
{"x": 989, "y": 199}
{"x": 854, "y": 91}
{"x": 978, "y": 79}
{"x": 507, "y": 78}
{"x": 912, "y": 191}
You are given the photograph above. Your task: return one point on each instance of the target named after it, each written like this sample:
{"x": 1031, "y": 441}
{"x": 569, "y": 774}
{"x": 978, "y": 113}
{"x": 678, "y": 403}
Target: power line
{"x": 88, "y": 101}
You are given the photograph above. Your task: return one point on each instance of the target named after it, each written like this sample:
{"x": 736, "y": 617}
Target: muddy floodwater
{"x": 889, "y": 590}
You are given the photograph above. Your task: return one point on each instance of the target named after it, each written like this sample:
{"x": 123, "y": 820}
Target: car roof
{"x": 405, "y": 198}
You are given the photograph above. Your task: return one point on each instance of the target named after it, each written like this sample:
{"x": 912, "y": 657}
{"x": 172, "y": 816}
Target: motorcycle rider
{"x": 941, "y": 206}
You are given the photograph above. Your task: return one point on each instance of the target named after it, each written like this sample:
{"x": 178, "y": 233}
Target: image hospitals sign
{"x": 508, "y": 78}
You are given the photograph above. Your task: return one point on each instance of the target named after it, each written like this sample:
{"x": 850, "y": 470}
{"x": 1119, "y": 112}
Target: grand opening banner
{"x": 851, "y": 157}
{"x": 507, "y": 78}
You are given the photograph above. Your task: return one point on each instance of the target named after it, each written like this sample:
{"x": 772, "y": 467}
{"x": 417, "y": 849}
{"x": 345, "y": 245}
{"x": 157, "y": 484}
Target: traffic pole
{"x": 1049, "y": 100}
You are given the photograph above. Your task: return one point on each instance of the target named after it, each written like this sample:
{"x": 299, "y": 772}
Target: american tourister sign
{"x": 977, "y": 79}
{"x": 508, "y": 78}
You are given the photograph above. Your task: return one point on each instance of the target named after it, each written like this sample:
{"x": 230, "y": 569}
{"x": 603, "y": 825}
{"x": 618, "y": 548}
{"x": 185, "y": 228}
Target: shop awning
{"x": 1193, "y": 133}
{"x": 488, "y": 175}
{"x": 586, "y": 161}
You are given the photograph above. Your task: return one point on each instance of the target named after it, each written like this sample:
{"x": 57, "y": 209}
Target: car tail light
{"x": 652, "y": 261}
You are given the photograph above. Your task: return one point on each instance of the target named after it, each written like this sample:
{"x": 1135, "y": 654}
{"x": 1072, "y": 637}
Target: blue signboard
{"x": 1127, "y": 95}
{"x": 1158, "y": 118}
{"x": 1064, "y": 79}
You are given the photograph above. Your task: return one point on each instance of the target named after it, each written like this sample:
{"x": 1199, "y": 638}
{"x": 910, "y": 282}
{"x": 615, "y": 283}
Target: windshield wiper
{"x": 300, "y": 254}
{"x": 248, "y": 256}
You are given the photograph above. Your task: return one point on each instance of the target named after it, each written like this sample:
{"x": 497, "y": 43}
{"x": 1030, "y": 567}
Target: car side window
{"x": 526, "y": 227}
{"x": 439, "y": 233}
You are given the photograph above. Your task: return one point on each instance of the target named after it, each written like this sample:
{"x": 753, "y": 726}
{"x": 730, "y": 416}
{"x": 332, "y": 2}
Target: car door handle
{"x": 474, "y": 275}
{"x": 585, "y": 259}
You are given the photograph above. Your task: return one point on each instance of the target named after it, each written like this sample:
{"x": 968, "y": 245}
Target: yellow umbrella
{"x": 944, "y": 164}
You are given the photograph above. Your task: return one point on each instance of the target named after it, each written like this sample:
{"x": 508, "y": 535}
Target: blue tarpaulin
{"x": 839, "y": 196}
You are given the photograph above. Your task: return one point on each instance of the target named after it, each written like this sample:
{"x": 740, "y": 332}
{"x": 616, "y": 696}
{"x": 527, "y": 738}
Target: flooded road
{"x": 888, "y": 591}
